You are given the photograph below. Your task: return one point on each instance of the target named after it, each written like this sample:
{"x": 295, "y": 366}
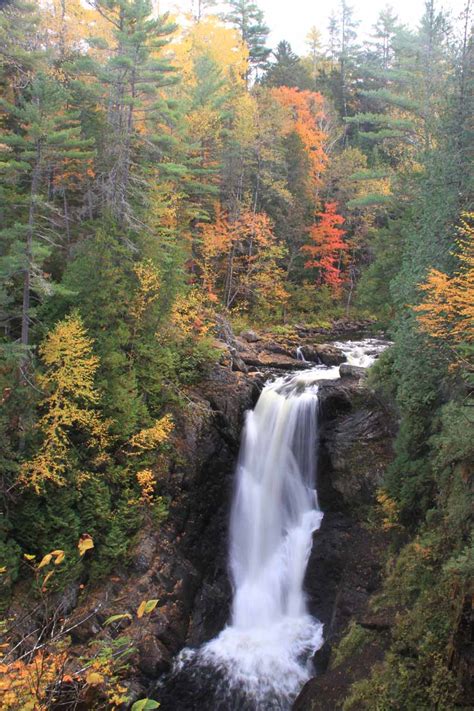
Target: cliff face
{"x": 347, "y": 558}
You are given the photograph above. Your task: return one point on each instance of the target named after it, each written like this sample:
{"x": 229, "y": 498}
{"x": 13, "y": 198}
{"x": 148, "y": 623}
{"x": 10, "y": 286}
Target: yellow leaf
{"x": 146, "y": 607}
{"x": 85, "y": 543}
{"x": 94, "y": 678}
{"x": 47, "y": 577}
{"x": 59, "y": 557}
{"x": 47, "y": 559}
{"x": 3, "y": 570}
{"x": 28, "y": 556}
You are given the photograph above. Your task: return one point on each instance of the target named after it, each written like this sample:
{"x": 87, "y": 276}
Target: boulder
{"x": 250, "y": 336}
{"x": 153, "y": 657}
{"x": 352, "y": 371}
{"x": 330, "y": 355}
{"x": 324, "y": 353}
{"x": 274, "y": 347}
{"x": 273, "y": 360}
{"x": 238, "y": 364}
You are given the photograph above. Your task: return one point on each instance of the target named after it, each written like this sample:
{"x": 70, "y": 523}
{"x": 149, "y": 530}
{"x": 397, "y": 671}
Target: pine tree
{"x": 138, "y": 114}
{"x": 43, "y": 139}
{"x": 246, "y": 16}
{"x": 287, "y": 69}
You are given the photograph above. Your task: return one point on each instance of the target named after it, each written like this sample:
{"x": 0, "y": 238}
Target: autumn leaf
{"x": 46, "y": 578}
{"x": 60, "y": 555}
{"x": 146, "y": 607}
{"x": 94, "y": 678}
{"x": 116, "y": 618}
{"x": 85, "y": 543}
{"x": 46, "y": 560}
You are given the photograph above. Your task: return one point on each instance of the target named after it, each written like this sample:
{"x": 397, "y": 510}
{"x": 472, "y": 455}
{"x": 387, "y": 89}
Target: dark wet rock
{"x": 85, "y": 628}
{"x": 344, "y": 570}
{"x": 210, "y": 613}
{"x": 153, "y": 657}
{"x": 347, "y": 558}
{"x": 376, "y": 621}
{"x": 359, "y": 450}
{"x": 328, "y": 691}
{"x": 325, "y": 353}
{"x": 352, "y": 371}
{"x": 238, "y": 364}
{"x": 68, "y": 599}
{"x": 281, "y": 349}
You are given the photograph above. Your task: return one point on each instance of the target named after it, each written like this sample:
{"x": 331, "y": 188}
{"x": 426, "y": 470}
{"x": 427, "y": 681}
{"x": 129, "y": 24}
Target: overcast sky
{"x": 291, "y": 19}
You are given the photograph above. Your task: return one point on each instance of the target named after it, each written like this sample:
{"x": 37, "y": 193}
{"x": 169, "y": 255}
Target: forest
{"x": 165, "y": 180}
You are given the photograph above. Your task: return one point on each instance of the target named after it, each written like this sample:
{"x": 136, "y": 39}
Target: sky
{"x": 291, "y": 19}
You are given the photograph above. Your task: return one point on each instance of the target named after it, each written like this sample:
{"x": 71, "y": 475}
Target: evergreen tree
{"x": 287, "y": 69}
{"x": 44, "y": 138}
{"x": 138, "y": 114}
{"x": 343, "y": 53}
{"x": 246, "y": 16}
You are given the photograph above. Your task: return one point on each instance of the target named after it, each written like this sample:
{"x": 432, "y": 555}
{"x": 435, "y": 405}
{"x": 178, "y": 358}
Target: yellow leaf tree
{"x": 68, "y": 407}
{"x": 240, "y": 262}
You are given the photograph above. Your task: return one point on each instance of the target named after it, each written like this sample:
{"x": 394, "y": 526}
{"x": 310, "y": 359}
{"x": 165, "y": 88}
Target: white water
{"x": 300, "y": 354}
{"x": 362, "y": 353}
{"x": 266, "y": 648}
{"x": 264, "y": 654}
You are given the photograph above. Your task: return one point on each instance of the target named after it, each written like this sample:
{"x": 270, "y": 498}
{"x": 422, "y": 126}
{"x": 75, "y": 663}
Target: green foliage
{"x": 353, "y": 641}
{"x": 415, "y": 673}
{"x": 307, "y": 300}
{"x": 145, "y": 705}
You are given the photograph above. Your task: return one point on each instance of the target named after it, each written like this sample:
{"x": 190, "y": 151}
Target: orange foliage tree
{"x": 447, "y": 312}
{"x": 327, "y": 247}
{"x": 306, "y": 117}
{"x": 240, "y": 260}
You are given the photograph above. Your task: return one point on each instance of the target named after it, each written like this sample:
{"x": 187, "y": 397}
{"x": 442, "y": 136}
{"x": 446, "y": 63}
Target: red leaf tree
{"x": 327, "y": 248}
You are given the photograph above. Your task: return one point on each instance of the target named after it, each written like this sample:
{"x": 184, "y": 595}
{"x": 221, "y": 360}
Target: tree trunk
{"x": 25, "y": 312}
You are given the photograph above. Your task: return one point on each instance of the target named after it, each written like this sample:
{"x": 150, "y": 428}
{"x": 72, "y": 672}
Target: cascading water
{"x": 260, "y": 661}
{"x": 300, "y": 355}
{"x": 275, "y": 512}
{"x": 262, "y": 657}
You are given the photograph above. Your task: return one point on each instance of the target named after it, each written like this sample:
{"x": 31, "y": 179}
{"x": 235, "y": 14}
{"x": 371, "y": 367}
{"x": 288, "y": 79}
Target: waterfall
{"x": 262, "y": 658}
{"x": 264, "y": 653}
{"x": 300, "y": 354}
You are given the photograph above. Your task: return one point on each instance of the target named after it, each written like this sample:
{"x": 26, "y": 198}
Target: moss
{"x": 353, "y": 641}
